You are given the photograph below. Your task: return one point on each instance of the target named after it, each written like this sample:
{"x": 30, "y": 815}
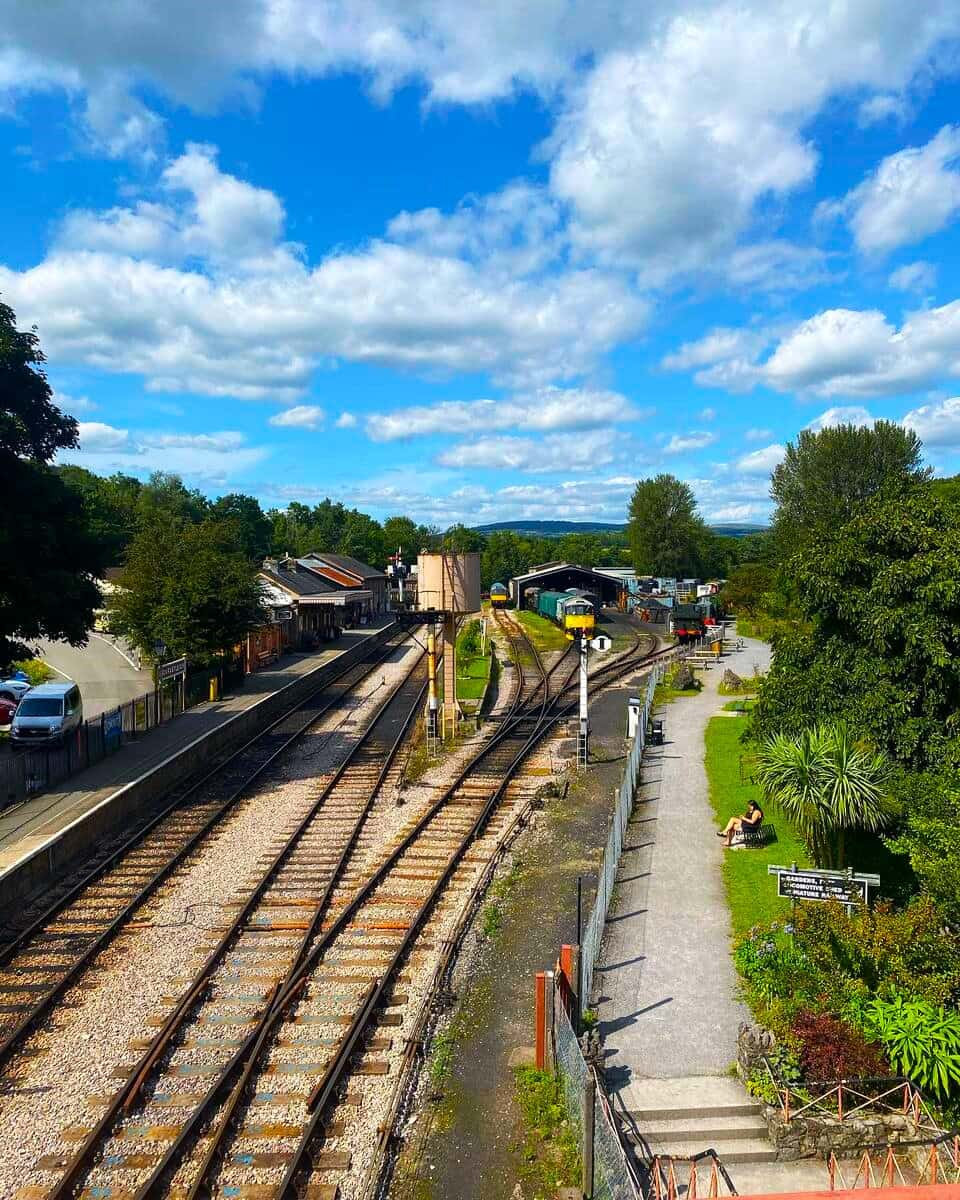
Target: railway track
{"x": 39, "y": 962}
{"x": 249, "y": 1087}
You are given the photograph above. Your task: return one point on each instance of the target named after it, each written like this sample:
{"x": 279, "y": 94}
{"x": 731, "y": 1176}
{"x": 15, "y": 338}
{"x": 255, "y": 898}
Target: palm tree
{"x": 825, "y": 782}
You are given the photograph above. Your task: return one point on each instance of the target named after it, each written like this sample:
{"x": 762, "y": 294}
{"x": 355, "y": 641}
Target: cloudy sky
{"x": 484, "y": 261}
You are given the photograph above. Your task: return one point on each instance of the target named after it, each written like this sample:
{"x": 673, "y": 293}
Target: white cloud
{"x": 209, "y": 457}
{"x": 919, "y": 277}
{"x": 707, "y": 414}
{"x": 710, "y": 111}
{"x": 198, "y": 292}
{"x": 852, "y": 352}
{"x": 554, "y": 452}
{"x": 74, "y": 404}
{"x": 912, "y": 194}
{"x": 95, "y": 436}
{"x": 719, "y": 345}
{"x": 854, "y": 414}
{"x": 761, "y": 462}
{"x": 346, "y": 420}
{"x": 547, "y": 409}
{"x": 682, "y": 443}
{"x": 884, "y": 106}
{"x": 936, "y": 424}
{"x": 301, "y": 416}
{"x": 757, "y": 435}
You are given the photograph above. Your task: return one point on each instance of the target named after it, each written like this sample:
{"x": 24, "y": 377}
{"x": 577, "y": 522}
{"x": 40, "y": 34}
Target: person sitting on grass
{"x": 750, "y": 820}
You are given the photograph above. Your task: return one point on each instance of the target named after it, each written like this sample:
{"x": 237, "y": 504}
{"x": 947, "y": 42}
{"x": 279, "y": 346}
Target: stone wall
{"x": 816, "y": 1134}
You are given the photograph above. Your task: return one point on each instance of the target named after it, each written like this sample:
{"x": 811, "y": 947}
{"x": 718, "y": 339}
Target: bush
{"x": 35, "y": 669}
{"x": 921, "y": 1040}
{"x": 831, "y": 1049}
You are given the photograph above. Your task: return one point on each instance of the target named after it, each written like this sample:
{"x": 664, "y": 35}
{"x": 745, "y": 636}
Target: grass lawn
{"x": 543, "y": 633}
{"x": 740, "y": 705}
{"x": 472, "y": 675}
{"x": 751, "y": 892}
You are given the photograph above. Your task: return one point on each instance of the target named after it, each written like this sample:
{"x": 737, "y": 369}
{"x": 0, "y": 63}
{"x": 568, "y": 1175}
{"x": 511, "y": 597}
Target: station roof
{"x": 344, "y": 562}
{"x": 559, "y": 576}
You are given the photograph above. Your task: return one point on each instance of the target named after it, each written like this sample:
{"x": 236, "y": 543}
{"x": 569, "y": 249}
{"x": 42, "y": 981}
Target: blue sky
{"x": 484, "y": 262}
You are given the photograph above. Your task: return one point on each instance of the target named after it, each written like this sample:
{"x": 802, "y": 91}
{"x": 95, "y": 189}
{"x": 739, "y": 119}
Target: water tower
{"x": 448, "y": 584}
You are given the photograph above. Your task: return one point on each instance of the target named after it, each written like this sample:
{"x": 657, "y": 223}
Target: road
{"x": 105, "y": 677}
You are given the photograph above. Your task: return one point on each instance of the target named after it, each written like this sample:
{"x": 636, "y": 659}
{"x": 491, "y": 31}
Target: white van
{"x": 48, "y": 715}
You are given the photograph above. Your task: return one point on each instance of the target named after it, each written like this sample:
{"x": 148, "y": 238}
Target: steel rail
{"x": 127, "y": 1095}
{"x": 248, "y": 1056}
{"x": 12, "y": 1039}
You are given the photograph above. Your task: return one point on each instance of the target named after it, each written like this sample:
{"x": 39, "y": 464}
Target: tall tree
{"x": 401, "y": 531}
{"x": 881, "y": 648}
{"x": 826, "y": 477}
{"x": 665, "y": 530}
{"x": 49, "y": 561}
{"x": 362, "y": 538}
{"x": 255, "y": 529}
{"x": 190, "y": 586}
{"x": 166, "y": 494}
{"x": 505, "y": 555}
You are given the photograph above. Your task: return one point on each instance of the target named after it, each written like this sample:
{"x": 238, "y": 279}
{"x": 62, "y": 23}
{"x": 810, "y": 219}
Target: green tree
{"x": 504, "y": 556}
{"x": 461, "y": 540}
{"x": 256, "y": 531}
{"x": 826, "y": 477}
{"x": 881, "y": 648}
{"x": 665, "y": 530}
{"x": 747, "y": 588}
{"x": 930, "y": 836}
{"x": 166, "y": 494}
{"x": 826, "y": 783}
{"x": 402, "y": 532}
{"x": 49, "y": 559}
{"x": 111, "y": 507}
{"x": 191, "y": 586}
{"x": 362, "y": 538}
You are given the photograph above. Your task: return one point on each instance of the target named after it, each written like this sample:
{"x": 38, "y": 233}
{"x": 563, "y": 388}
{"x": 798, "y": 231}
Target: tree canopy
{"x": 49, "y": 558}
{"x": 190, "y": 586}
{"x": 665, "y": 531}
{"x": 825, "y": 477}
{"x": 881, "y": 595}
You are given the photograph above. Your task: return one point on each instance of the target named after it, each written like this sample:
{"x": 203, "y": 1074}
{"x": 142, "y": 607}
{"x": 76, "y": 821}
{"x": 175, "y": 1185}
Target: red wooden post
{"x": 540, "y": 1017}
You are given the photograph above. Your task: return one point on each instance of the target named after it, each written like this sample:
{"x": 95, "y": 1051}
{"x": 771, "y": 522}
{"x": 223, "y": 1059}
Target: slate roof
{"x": 301, "y": 582}
{"x": 345, "y": 563}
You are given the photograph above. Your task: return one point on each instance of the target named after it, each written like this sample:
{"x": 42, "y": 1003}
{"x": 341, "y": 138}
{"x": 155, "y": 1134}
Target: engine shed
{"x": 561, "y": 576}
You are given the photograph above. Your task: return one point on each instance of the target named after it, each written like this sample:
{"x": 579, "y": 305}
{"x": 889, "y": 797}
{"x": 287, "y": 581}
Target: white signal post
{"x": 583, "y": 734}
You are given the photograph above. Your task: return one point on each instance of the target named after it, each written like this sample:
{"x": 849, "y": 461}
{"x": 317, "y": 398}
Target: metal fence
{"x": 592, "y": 934}
{"x": 606, "y": 1173}
{"x": 24, "y": 773}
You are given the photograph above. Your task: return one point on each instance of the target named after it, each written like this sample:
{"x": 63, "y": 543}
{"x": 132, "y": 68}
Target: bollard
{"x": 540, "y": 1020}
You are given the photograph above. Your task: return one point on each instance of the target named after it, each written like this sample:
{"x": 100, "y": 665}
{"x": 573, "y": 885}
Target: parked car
{"x": 48, "y": 715}
{"x": 14, "y": 688}
{"x": 7, "y": 709}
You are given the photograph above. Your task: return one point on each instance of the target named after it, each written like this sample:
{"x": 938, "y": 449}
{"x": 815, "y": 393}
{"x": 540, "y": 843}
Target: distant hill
{"x": 550, "y": 528}
{"x": 559, "y": 528}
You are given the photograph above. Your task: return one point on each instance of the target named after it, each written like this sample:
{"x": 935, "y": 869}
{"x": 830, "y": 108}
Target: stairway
{"x": 681, "y": 1117}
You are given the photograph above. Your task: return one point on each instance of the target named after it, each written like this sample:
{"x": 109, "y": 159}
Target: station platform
{"x": 42, "y": 835}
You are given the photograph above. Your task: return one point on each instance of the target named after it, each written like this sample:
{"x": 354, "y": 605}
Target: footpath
{"x": 33, "y": 826}
{"x": 665, "y": 987}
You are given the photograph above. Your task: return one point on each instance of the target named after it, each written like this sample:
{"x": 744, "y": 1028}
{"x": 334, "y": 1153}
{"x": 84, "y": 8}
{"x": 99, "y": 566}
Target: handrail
{"x": 889, "y": 1171}
{"x": 913, "y": 1101}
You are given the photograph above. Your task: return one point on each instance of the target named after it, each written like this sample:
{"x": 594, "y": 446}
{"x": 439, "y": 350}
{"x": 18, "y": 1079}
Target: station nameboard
{"x": 170, "y": 670}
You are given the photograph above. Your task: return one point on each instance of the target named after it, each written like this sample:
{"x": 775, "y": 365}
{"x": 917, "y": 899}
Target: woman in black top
{"x": 751, "y": 820}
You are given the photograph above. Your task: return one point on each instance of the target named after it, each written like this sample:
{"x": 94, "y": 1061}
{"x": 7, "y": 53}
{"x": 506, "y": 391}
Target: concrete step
{"x": 653, "y": 1116}
{"x": 738, "y": 1150}
{"x": 707, "y": 1127}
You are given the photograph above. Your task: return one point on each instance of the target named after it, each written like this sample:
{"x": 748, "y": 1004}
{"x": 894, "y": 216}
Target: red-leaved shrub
{"x": 829, "y": 1049}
